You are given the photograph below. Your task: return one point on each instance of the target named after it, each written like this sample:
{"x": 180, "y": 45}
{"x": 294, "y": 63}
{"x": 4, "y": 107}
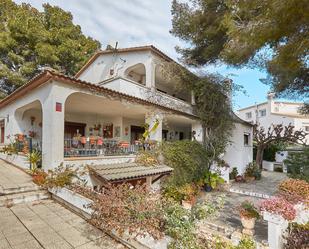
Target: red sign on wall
{"x": 58, "y": 107}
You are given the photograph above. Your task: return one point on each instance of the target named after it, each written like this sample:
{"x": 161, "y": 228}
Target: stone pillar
{"x": 151, "y": 120}
{"x": 53, "y": 128}
{"x": 276, "y": 226}
{"x": 192, "y": 98}
{"x": 150, "y": 74}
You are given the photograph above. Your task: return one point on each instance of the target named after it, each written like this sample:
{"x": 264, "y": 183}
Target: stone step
{"x": 249, "y": 193}
{"x": 226, "y": 231}
{"x": 13, "y": 199}
{"x": 19, "y": 189}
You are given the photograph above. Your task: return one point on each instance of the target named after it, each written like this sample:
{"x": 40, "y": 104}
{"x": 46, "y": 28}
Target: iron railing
{"x": 109, "y": 147}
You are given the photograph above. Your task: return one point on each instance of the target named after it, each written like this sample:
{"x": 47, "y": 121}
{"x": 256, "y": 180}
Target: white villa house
{"x": 275, "y": 112}
{"x": 96, "y": 118}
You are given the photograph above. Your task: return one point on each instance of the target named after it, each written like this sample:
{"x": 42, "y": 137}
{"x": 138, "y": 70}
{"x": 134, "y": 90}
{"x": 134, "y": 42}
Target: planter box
{"x": 80, "y": 205}
{"x": 74, "y": 199}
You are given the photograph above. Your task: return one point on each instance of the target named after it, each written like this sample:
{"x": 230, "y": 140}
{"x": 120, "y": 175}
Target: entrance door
{"x": 136, "y": 133}
{"x": 71, "y": 128}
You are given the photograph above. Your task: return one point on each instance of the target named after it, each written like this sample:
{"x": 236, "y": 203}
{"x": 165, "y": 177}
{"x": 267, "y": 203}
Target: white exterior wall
{"x": 276, "y": 113}
{"x": 237, "y": 153}
{"x": 120, "y": 64}
{"x": 99, "y": 70}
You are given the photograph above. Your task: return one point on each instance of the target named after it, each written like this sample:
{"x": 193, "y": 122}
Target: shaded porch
{"x": 98, "y": 127}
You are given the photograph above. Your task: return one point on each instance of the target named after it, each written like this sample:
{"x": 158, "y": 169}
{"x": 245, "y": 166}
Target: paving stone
{"x": 4, "y": 244}
{"x": 58, "y": 245}
{"x": 74, "y": 237}
{"x": 32, "y": 244}
{"x": 19, "y": 238}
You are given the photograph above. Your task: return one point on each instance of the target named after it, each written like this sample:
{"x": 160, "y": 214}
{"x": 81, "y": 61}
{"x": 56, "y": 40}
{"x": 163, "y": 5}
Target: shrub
{"x": 246, "y": 243}
{"x": 247, "y": 210}
{"x": 294, "y": 190}
{"x": 148, "y": 157}
{"x": 298, "y": 164}
{"x": 180, "y": 226}
{"x": 213, "y": 180}
{"x": 61, "y": 176}
{"x": 279, "y": 206}
{"x": 39, "y": 177}
{"x": 188, "y": 191}
{"x": 187, "y": 158}
{"x": 208, "y": 208}
{"x": 297, "y": 237}
{"x": 126, "y": 208}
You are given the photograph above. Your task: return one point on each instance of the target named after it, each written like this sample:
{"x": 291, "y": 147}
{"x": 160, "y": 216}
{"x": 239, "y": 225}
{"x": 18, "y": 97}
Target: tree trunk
{"x": 259, "y": 156}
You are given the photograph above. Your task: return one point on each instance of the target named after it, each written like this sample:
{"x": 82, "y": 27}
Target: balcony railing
{"x": 93, "y": 148}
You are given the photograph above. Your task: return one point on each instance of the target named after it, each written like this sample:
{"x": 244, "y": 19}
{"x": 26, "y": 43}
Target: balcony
{"x": 135, "y": 89}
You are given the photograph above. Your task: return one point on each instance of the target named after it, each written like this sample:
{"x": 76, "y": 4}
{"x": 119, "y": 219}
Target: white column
{"x": 276, "y": 226}
{"x": 151, "y": 120}
{"x": 197, "y": 131}
{"x": 192, "y": 98}
{"x": 53, "y": 129}
{"x": 150, "y": 74}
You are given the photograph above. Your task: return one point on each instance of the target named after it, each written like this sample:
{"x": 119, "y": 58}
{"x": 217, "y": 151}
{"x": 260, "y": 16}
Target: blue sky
{"x": 145, "y": 22}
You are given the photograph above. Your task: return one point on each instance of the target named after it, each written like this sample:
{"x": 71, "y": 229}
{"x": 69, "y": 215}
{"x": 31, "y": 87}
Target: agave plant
{"x": 33, "y": 158}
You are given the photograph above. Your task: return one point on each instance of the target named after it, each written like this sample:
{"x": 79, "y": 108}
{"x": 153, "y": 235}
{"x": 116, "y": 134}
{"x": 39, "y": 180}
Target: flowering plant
{"x": 279, "y": 206}
{"x": 247, "y": 210}
{"x": 294, "y": 190}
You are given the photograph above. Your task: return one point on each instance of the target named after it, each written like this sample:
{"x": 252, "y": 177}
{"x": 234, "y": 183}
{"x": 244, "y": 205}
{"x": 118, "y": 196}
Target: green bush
{"x": 188, "y": 159}
{"x": 298, "y": 164}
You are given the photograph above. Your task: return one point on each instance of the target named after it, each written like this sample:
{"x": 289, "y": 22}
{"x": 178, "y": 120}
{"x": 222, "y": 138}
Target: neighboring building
{"x": 97, "y": 117}
{"x": 275, "y": 112}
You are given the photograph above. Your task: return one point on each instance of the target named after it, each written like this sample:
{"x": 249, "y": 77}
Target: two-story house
{"x": 275, "y": 112}
{"x": 98, "y": 117}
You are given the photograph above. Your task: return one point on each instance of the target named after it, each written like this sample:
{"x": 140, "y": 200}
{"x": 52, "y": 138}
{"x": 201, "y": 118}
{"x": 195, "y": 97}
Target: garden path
{"x": 228, "y": 217}
{"x": 263, "y": 188}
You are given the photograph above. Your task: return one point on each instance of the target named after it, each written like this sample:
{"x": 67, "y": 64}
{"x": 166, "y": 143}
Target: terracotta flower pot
{"x": 248, "y": 225}
{"x": 249, "y": 178}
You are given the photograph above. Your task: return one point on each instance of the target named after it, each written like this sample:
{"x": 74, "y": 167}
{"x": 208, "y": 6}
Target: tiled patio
{"x": 49, "y": 225}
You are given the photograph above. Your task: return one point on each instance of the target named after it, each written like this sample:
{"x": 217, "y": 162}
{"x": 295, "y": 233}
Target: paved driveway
{"x": 49, "y": 225}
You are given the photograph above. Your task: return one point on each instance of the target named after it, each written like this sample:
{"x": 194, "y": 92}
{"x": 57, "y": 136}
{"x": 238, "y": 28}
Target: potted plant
{"x": 239, "y": 178}
{"x": 252, "y": 172}
{"x": 248, "y": 215}
{"x": 233, "y": 174}
{"x": 212, "y": 180}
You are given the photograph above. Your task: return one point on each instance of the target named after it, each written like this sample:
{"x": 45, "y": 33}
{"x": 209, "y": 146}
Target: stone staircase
{"x": 23, "y": 197}
{"x": 21, "y": 194}
{"x": 216, "y": 229}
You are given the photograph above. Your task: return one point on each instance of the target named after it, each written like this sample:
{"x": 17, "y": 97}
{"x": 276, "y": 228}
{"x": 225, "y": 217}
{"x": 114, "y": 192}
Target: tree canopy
{"x": 30, "y": 40}
{"x": 268, "y": 34}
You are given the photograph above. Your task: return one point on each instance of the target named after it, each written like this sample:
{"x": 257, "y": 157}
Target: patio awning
{"x": 128, "y": 171}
